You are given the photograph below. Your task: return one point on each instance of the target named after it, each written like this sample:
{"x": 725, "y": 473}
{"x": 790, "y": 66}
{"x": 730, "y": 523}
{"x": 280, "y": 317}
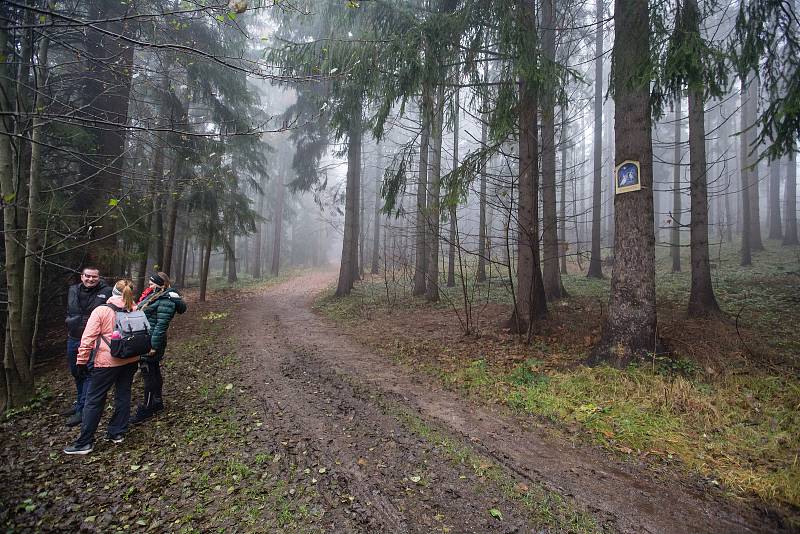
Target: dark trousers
{"x": 81, "y": 384}
{"x": 102, "y": 379}
{"x": 153, "y": 385}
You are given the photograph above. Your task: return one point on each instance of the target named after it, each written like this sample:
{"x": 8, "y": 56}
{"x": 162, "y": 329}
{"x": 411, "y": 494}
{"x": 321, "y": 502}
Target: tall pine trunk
{"x": 420, "y": 250}
{"x": 280, "y": 189}
{"x": 552, "y": 277}
{"x": 775, "y": 231}
{"x": 434, "y": 199}
{"x": 675, "y": 234}
{"x": 376, "y": 230}
{"x": 629, "y": 332}
{"x": 206, "y": 263}
{"x": 451, "y": 251}
{"x": 529, "y": 299}
{"x": 701, "y": 296}
{"x": 750, "y": 111}
{"x": 482, "y": 249}
{"x": 744, "y": 164}
{"x": 595, "y": 260}
{"x": 348, "y": 270}
{"x": 562, "y": 232}
{"x": 790, "y": 200}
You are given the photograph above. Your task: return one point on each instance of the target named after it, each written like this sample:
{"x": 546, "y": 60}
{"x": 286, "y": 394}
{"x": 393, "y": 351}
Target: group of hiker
{"x": 110, "y": 336}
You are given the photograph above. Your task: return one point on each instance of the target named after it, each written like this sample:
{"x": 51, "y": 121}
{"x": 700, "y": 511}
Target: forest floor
{"x": 279, "y": 418}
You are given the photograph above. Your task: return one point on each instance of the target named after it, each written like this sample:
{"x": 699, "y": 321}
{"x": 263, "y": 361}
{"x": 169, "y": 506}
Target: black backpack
{"x": 131, "y": 337}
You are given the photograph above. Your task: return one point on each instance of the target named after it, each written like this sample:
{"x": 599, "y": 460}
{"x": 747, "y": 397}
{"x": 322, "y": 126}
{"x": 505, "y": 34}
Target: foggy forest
{"x": 400, "y": 265}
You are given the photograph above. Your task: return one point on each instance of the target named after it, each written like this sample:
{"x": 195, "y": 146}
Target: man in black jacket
{"x": 82, "y": 298}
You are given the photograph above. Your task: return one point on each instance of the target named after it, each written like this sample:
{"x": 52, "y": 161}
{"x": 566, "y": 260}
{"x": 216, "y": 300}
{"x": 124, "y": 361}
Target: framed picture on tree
{"x": 627, "y": 177}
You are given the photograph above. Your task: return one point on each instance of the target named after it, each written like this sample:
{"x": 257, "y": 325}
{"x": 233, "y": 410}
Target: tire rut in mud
{"x": 370, "y": 461}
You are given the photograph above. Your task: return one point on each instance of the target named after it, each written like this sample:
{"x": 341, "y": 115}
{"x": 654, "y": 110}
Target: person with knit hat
{"x": 105, "y": 371}
{"x": 160, "y": 303}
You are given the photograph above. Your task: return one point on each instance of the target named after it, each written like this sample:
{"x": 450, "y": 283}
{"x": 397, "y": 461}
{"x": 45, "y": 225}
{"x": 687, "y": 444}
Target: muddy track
{"x": 332, "y": 406}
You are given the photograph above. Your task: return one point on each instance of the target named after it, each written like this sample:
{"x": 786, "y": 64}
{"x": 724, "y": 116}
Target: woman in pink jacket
{"x": 106, "y": 371}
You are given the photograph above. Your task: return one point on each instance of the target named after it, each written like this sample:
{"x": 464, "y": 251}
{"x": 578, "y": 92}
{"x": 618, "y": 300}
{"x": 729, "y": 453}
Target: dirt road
{"x": 390, "y": 450}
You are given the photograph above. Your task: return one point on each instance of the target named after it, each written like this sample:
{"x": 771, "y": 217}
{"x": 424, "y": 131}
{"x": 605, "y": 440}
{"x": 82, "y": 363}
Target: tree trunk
{"x": 790, "y": 199}
{"x": 232, "y": 276}
{"x": 744, "y": 164}
{"x": 18, "y": 377}
{"x": 348, "y": 270}
{"x": 529, "y": 300}
{"x": 552, "y": 277}
{"x": 595, "y": 260}
{"x": 451, "y": 252}
{"x": 421, "y": 253}
{"x": 434, "y": 199}
{"x": 260, "y": 232}
{"x": 629, "y": 331}
{"x": 204, "y": 267}
{"x": 775, "y": 231}
{"x": 181, "y": 282}
{"x": 751, "y": 157}
{"x": 482, "y": 249}
{"x": 376, "y": 230}
{"x": 363, "y": 227}
{"x": 675, "y": 234}
{"x": 701, "y": 297}
{"x": 30, "y": 296}
{"x": 278, "y": 215}
{"x": 562, "y": 235}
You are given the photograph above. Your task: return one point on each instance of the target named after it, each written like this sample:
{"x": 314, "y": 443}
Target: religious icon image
{"x": 627, "y": 177}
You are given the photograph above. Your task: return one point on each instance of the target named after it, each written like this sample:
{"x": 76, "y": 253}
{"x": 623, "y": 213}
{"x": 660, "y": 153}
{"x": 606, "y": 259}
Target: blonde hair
{"x": 125, "y": 287}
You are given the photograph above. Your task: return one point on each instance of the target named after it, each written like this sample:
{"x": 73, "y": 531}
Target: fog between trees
{"x": 430, "y": 143}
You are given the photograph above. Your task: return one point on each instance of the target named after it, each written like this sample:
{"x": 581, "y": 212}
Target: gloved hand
{"x": 83, "y": 371}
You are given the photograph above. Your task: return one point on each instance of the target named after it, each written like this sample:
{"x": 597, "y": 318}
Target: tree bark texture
{"x": 702, "y": 301}
{"x": 18, "y": 378}
{"x": 420, "y": 231}
{"x": 790, "y": 201}
{"x": 745, "y": 142}
{"x": 775, "y": 230}
{"x": 629, "y": 331}
{"x": 531, "y": 303}
{"x": 376, "y": 230}
{"x": 750, "y": 110}
{"x": 482, "y": 249}
{"x": 675, "y": 234}
{"x": 434, "y": 199}
{"x": 595, "y": 260}
{"x": 348, "y": 270}
{"x": 552, "y": 277}
{"x": 280, "y": 191}
{"x": 451, "y": 250}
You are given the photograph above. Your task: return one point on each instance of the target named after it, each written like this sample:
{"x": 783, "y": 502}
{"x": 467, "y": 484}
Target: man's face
{"x": 90, "y": 277}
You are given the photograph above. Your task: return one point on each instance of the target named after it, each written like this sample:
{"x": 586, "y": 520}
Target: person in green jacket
{"x": 160, "y": 303}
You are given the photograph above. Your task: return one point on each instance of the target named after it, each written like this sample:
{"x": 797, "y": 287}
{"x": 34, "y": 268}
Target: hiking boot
{"x": 116, "y": 438}
{"x": 66, "y": 412}
{"x": 141, "y": 416}
{"x": 79, "y": 449}
{"x": 75, "y": 419}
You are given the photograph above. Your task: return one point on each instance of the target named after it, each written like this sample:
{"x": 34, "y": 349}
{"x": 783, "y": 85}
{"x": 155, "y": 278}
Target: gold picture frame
{"x": 627, "y": 177}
